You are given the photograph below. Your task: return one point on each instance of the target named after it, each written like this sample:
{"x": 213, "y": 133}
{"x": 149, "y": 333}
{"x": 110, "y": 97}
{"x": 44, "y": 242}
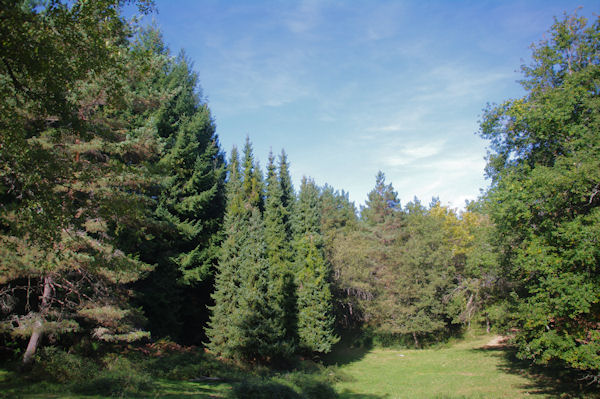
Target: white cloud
{"x": 410, "y": 153}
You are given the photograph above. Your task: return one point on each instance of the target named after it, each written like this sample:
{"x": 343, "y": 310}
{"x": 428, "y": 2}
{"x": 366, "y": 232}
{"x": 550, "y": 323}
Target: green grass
{"x": 462, "y": 370}
{"x": 13, "y": 386}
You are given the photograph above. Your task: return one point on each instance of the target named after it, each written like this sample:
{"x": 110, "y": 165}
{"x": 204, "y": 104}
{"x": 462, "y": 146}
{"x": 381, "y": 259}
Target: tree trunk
{"x": 38, "y": 325}
{"x": 487, "y": 324}
{"x": 414, "y": 334}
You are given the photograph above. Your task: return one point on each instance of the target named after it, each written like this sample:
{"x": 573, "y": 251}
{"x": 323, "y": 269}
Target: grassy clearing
{"x": 465, "y": 369}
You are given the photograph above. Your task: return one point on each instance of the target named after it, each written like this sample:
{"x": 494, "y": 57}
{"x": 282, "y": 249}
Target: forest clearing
{"x": 477, "y": 366}
{"x": 138, "y": 258}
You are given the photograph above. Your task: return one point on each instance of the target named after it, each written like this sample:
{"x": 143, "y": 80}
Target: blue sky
{"x": 348, "y": 88}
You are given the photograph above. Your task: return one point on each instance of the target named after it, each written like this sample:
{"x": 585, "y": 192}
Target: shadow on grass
{"x": 351, "y": 348}
{"x": 543, "y": 381}
{"x": 176, "y": 389}
{"x": 353, "y": 395}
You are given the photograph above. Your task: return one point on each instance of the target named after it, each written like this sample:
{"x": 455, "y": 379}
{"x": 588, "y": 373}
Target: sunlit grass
{"x": 464, "y": 369}
{"x": 461, "y": 370}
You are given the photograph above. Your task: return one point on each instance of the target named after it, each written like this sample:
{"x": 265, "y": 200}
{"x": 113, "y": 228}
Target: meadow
{"x": 475, "y": 366}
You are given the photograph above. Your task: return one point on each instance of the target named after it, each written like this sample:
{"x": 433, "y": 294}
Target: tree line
{"x": 122, "y": 220}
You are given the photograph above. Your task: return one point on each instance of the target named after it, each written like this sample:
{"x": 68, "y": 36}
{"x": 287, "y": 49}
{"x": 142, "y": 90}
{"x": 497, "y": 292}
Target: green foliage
{"x": 280, "y": 256}
{"x": 545, "y": 171}
{"x": 416, "y": 271}
{"x": 248, "y": 320}
{"x": 382, "y": 202}
{"x": 191, "y": 197}
{"x": 119, "y": 377}
{"x": 75, "y": 172}
{"x": 263, "y": 390}
{"x": 315, "y": 303}
{"x": 252, "y": 183}
{"x": 54, "y": 364}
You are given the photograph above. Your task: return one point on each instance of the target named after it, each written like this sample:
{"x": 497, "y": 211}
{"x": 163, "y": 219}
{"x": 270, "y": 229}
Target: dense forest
{"x": 123, "y": 221}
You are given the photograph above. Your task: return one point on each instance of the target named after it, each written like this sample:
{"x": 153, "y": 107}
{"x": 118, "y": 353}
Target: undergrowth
{"x": 137, "y": 371}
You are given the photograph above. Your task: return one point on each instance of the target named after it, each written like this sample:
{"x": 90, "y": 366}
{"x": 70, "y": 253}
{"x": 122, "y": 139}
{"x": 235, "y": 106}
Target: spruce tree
{"x": 221, "y": 331}
{"x": 259, "y": 320}
{"x": 191, "y": 198}
{"x": 288, "y": 196}
{"x": 247, "y": 320}
{"x": 252, "y": 184}
{"x": 280, "y": 255}
{"x": 315, "y": 310}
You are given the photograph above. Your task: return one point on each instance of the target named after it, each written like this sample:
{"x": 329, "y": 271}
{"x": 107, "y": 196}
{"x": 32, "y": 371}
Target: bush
{"x": 263, "y": 390}
{"x": 54, "y": 364}
{"x": 120, "y": 377}
{"x": 312, "y": 386}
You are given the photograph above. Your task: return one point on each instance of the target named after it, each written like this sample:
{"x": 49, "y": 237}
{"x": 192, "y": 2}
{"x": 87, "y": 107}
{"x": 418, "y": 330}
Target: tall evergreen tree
{"x": 74, "y": 171}
{"x": 248, "y": 317}
{"x": 221, "y": 331}
{"x": 288, "y": 196}
{"x": 252, "y": 184}
{"x": 382, "y": 202}
{"x": 191, "y": 196}
{"x": 279, "y": 254}
{"x": 315, "y": 308}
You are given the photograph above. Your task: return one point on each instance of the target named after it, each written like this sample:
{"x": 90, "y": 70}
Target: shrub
{"x": 263, "y": 390}
{"x": 54, "y": 364}
{"x": 120, "y": 377}
{"x": 312, "y": 386}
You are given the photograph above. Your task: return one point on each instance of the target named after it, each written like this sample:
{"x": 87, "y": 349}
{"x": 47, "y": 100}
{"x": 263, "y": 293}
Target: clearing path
{"x": 499, "y": 341}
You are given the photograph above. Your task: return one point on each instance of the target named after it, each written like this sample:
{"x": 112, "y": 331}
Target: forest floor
{"x": 476, "y": 366}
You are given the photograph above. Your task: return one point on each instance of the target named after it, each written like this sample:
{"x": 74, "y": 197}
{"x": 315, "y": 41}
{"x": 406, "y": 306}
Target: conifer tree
{"x": 74, "y": 171}
{"x": 382, "y": 202}
{"x": 279, "y": 254}
{"x": 191, "y": 198}
{"x": 315, "y": 311}
{"x": 260, "y": 318}
{"x": 288, "y": 196}
{"x": 221, "y": 331}
{"x": 252, "y": 184}
{"x": 247, "y": 320}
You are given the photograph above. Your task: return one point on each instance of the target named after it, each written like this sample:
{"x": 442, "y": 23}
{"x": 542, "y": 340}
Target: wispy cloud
{"x": 303, "y": 18}
{"x": 352, "y": 87}
{"x": 410, "y": 153}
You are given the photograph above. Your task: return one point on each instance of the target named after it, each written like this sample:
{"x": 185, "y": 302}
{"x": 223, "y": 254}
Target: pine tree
{"x": 315, "y": 311}
{"x": 75, "y": 172}
{"x": 382, "y": 202}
